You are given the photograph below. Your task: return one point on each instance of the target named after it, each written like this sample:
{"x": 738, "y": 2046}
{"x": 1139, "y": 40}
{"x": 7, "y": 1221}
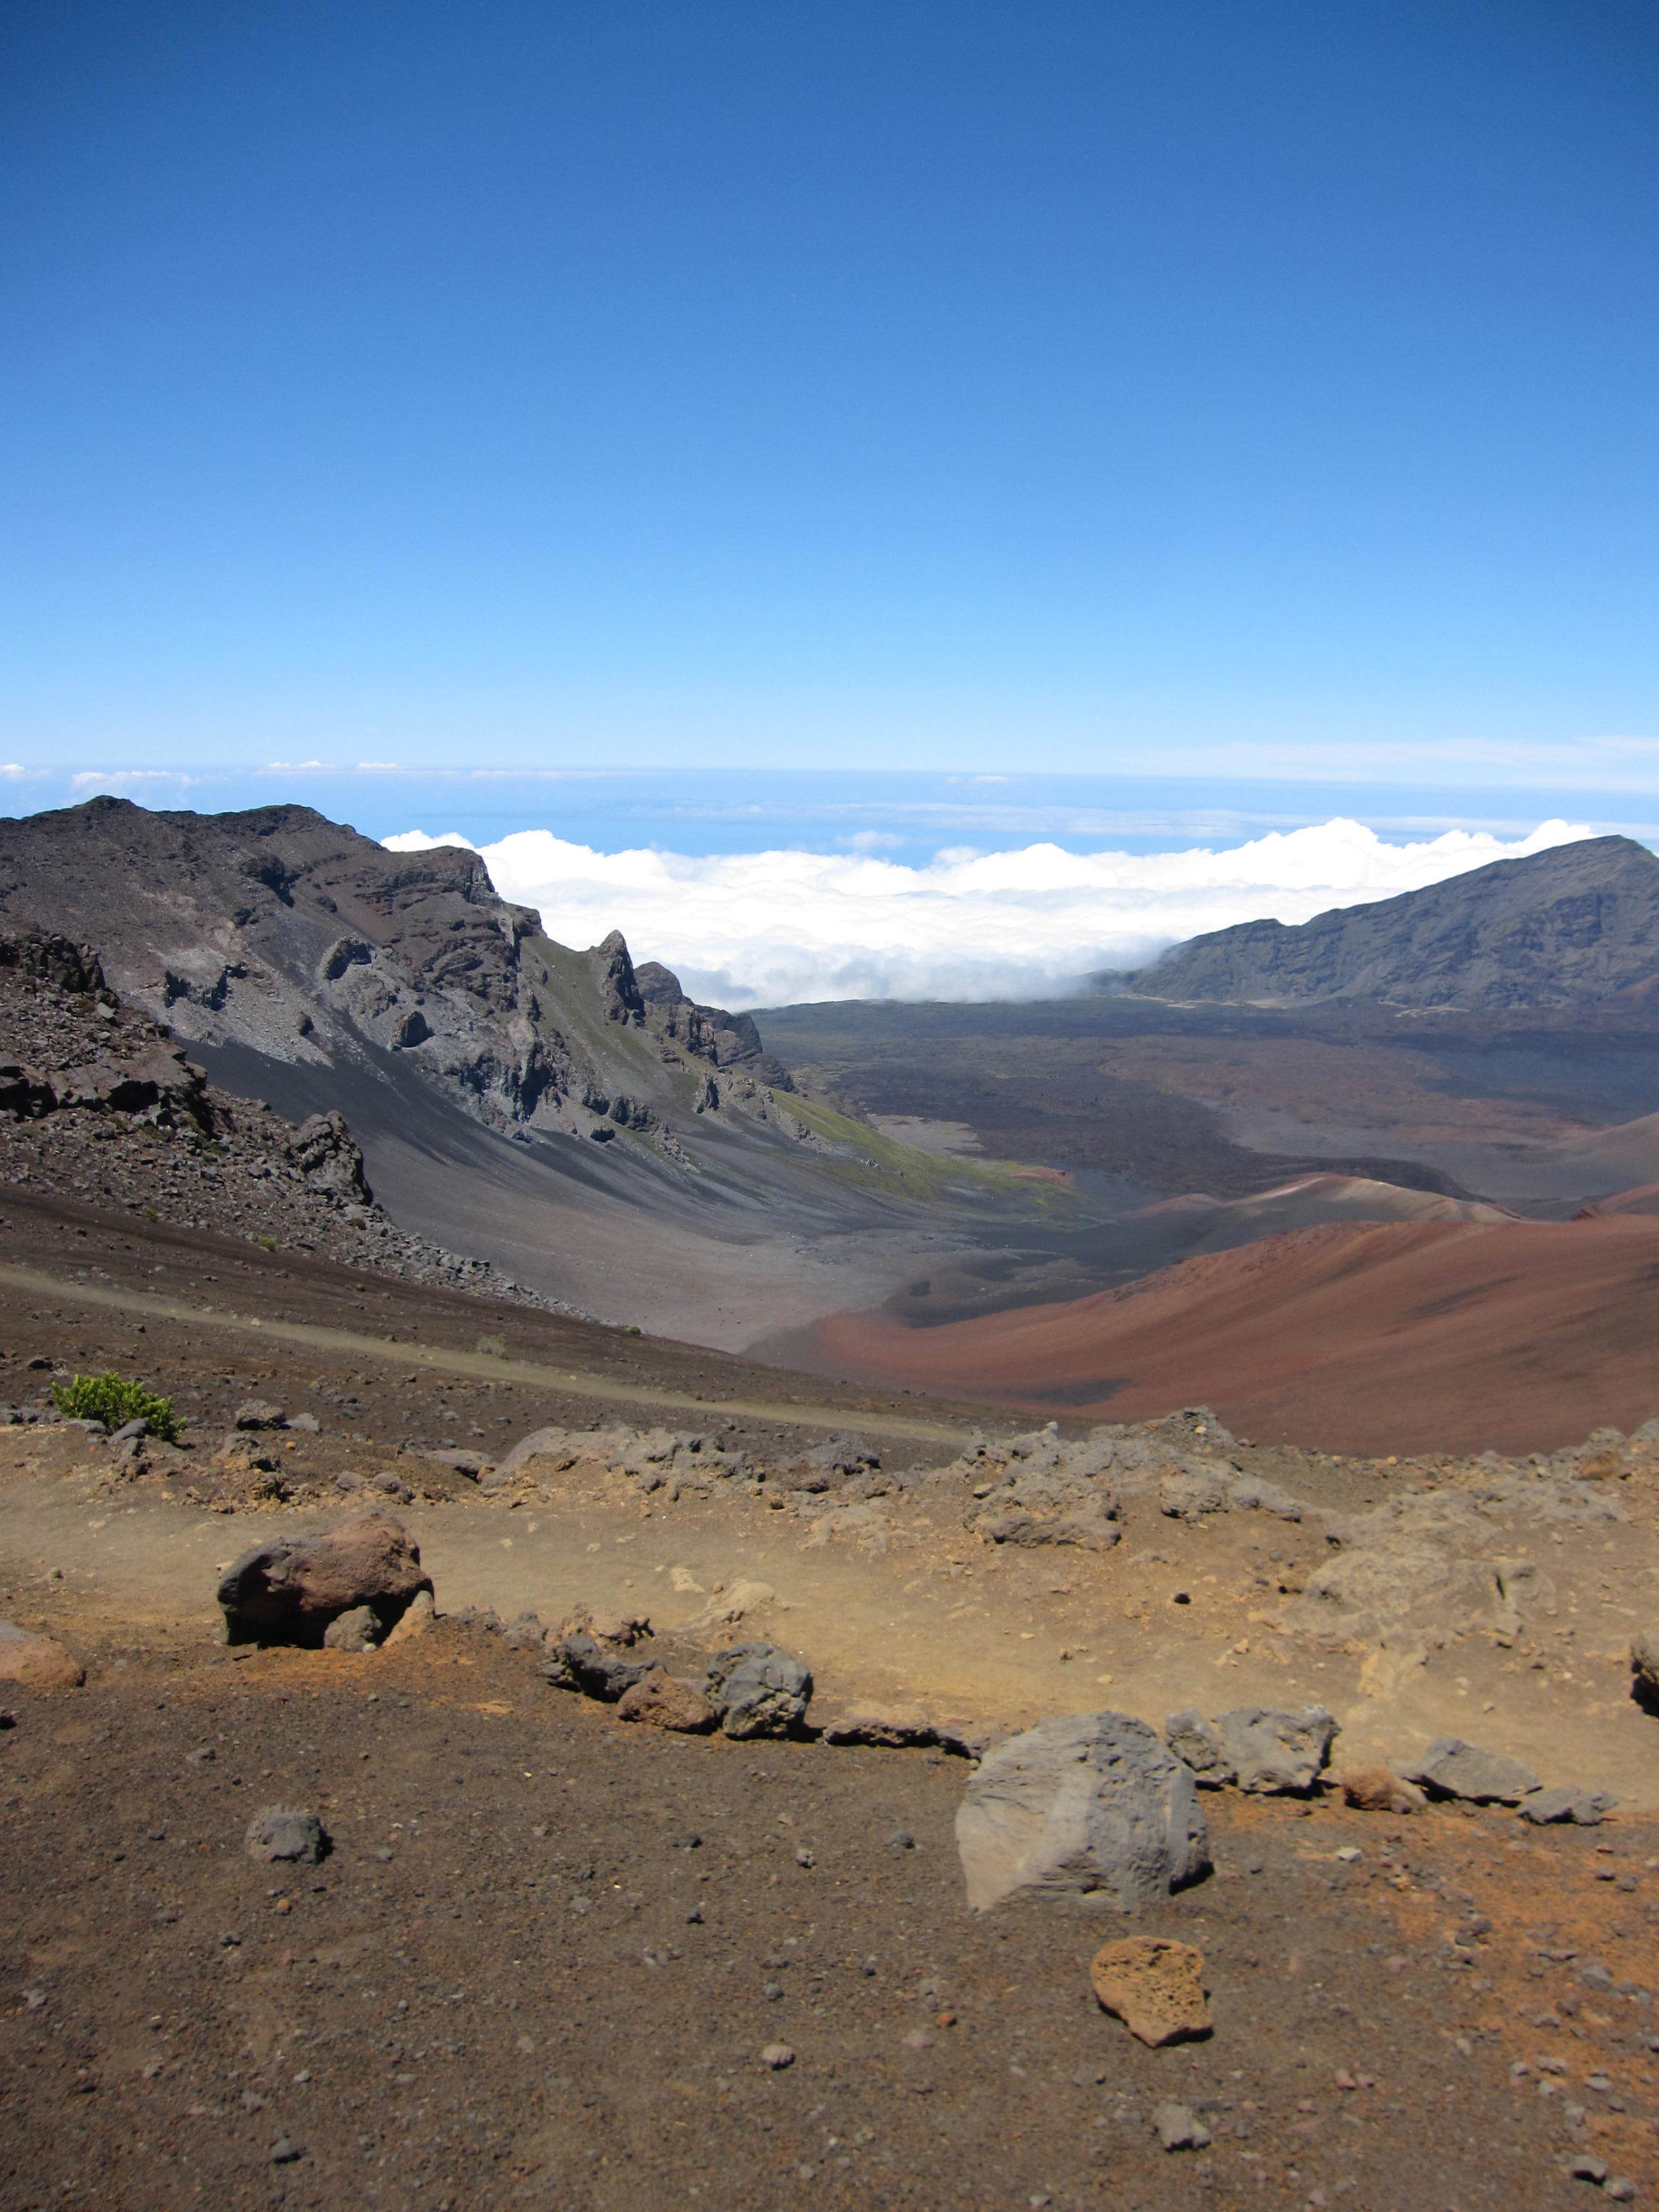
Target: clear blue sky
{"x": 913, "y": 384}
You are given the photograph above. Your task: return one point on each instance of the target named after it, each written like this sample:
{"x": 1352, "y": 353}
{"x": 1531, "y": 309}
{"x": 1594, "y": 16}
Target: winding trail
{"x": 489, "y": 1366}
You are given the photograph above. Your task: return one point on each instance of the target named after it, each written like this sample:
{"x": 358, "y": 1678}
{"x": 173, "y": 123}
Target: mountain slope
{"x": 1574, "y": 925}
{"x": 582, "y": 1125}
{"x": 286, "y": 933}
{"x": 1418, "y": 1336}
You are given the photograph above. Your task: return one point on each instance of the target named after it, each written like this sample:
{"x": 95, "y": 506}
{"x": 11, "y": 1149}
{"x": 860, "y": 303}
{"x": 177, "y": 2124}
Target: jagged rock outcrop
{"x": 710, "y": 1033}
{"x": 278, "y": 931}
{"x": 100, "y": 1103}
{"x": 1574, "y": 925}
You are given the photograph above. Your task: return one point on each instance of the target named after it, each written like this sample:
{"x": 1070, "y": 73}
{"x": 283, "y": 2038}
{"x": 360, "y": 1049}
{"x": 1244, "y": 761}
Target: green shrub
{"x": 266, "y": 1243}
{"x": 112, "y": 1400}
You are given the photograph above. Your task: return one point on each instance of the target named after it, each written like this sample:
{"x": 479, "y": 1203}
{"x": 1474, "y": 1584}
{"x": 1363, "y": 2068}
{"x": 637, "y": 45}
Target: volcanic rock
{"x": 1451, "y": 1768}
{"x": 287, "y": 1590}
{"x": 1276, "y": 1752}
{"x": 758, "y": 1690}
{"x": 1194, "y": 1740}
{"x": 580, "y": 1661}
{"x": 1585, "y": 1809}
{"x": 1179, "y": 2127}
{"x": 356, "y": 1630}
{"x": 281, "y": 1832}
{"x": 1088, "y": 1804}
{"x": 1154, "y": 1986}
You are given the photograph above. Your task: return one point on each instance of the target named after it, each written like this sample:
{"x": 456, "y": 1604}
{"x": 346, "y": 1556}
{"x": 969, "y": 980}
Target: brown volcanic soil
{"x": 494, "y": 1990}
{"x": 1403, "y": 1336}
{"x": 542, "y": 1961}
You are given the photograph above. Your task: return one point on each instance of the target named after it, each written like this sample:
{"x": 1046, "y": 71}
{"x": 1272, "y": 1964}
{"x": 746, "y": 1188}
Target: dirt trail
{"x": 898, "y": 1604}
{"x": 449, "y": 1360}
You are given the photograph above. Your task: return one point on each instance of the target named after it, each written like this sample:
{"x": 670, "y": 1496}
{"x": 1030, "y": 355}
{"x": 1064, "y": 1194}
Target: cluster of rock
{"x": 752, "y": 1689}
{"x": 1094, "y": 1805}
{"x": 1042, "y": 1488}
{"x": 99, "y": 1103}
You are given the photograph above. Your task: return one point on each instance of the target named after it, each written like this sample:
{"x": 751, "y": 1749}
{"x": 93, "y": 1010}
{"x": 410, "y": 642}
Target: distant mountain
{"x": 289, "y": 935}
{"x": 1574, "y": 925}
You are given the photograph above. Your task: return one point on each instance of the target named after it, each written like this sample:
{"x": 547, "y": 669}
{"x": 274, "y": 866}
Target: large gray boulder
{"x": 1088, "y": 1804}
{"x": 1644, "y": 1664}
{"x": 1451, "y": 1768}
{"x": 1275, "y": 1754}
{"x": 1194, "y": 1741}
{"x": 758, "y": 1690}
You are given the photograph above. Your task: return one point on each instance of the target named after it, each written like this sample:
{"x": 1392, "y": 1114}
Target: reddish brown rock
{"x": 290, "y": 1589}
{"x": 1378, "y": 1789}
{"x": 661, "y": 1700}
{"x": 37, "y": 1662}
{"x": 1154, "y": 1986}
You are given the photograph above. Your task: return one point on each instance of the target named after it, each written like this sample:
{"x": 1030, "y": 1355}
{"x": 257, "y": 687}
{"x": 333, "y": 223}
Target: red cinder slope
{"x": 1401, "y": 1337}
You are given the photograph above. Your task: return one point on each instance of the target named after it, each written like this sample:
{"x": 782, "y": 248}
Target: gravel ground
{"x": 546, "y": 1953}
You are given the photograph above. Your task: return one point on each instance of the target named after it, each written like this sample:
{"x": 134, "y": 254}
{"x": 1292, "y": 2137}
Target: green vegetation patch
{"x": 115, "y": 1400}
{"x": 882, "y": 1162}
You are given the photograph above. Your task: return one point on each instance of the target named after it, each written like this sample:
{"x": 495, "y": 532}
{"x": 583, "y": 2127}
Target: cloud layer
{"x": 759, "y": 929}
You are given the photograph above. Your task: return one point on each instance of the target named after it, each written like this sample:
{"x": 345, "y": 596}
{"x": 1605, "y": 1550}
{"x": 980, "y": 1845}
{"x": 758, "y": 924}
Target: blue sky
{"x": 1235, "y": 395}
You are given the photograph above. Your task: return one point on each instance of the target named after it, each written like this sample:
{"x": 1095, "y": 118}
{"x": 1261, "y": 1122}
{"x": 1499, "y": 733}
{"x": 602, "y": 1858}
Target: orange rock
{"x": 661, "y": 1700}
{"x": 1376, "y": 1790}
{"x": 1154, "y": 1986}
{"x": 37, "y": 1662}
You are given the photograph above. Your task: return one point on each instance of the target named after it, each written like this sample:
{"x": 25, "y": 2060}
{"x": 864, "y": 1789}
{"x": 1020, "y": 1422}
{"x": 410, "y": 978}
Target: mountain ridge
{"x": 1576, "y": 924}
{"x": 276, "y": 929}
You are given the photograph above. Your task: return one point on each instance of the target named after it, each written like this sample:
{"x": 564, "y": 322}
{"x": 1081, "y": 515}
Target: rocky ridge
{"x": 1577, "y": 924}
{"x": 99, "y": 1101}
{"x": 279, "y": 932}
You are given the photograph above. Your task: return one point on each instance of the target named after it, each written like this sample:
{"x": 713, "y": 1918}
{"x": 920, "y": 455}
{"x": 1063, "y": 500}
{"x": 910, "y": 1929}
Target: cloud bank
{"x": 758, "y": 929}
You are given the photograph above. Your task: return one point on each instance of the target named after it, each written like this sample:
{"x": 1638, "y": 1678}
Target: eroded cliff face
{"x": 1575, "y": 926}
{"x": 293, "y": 936}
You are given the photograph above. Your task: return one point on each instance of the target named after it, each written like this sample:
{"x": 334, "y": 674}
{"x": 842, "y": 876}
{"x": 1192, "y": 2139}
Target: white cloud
{"x": 94, "y": 780}
{"x": 758, "y": 929}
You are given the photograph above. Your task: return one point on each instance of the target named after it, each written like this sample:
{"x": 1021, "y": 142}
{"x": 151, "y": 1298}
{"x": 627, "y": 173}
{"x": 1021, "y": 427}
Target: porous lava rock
{"x": 1087, "y": 1804}
{"x": 1155, "y": 1986}
{"x": 659, "y": 1700}
{"x": 291, "y": 1588}
{"x": 758, "y": 1690}
{"x": 1379, "y": 1790}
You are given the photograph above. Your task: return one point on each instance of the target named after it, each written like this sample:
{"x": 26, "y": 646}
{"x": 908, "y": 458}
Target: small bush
{"x": 114, "y": 1400}
{"x": 266, "y": 1243}
{"x": 493, "y": 1347}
